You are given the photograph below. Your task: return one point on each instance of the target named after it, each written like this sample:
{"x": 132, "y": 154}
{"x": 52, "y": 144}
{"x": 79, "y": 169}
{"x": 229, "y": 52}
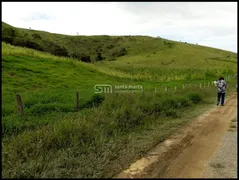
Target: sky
{"x": 211, "y": 24}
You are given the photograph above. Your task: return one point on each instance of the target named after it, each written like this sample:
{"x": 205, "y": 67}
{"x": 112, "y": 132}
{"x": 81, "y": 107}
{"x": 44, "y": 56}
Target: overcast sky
{"x": 206, "y": 23}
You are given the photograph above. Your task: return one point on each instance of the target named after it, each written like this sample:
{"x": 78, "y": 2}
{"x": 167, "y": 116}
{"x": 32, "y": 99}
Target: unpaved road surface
{"x": 187, "y": 153}
{"x": 223, "y": 163}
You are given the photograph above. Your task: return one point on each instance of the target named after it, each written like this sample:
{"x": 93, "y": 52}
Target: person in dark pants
{"x": 221, "y": 91}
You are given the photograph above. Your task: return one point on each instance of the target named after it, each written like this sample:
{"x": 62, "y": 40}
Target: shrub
{"x": 125, "y": 114}
{"x": 195, "y": 97}
{"x": 85, "y": 58}
{"x": 19, "y": 42}
{"x": 184, "y": 101}
{"x": 112, "y": 59}
{"x": 99, "y": 49}
{"x": 8, "y": 35}
{"x": 128, "y": 117}
{"x": 95, "y": 101}
{"x": 171, "y": 113}
{"x": 33, "y": 45}
{"x": 7, "y": 39}
{"x": 170, "y": 45}
{"x": 99, "y": 57}
{"x": 117, "y": 52}
{"x": 60, "y": 51}
{"x": 55, "y": 49}
{"x": 36, "y": 36}
{"x": 24, "y": 42}
{"x": 110, "y": 46}
{"x": 150, "y": 105}
{"x": 76, "y": 55}
{"x": 170, "y": 102}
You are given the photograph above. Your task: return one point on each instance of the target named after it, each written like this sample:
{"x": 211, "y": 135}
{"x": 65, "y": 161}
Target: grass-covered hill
{"x": 109, "y": 131}
{"x": 134, "y": 57}
{"x": 85, "y": 48}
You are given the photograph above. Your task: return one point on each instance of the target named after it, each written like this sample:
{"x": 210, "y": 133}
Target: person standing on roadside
{"x": 221, "y": 91}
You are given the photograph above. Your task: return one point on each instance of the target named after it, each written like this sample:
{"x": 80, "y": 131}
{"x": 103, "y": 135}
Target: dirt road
{"x": 223, "y": 163}
{"x": 185, "y": 154}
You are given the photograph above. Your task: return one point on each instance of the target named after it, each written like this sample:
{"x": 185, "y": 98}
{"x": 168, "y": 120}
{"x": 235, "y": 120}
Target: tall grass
{"x": 172, "y": 74}
{"x": 86, "y": 145}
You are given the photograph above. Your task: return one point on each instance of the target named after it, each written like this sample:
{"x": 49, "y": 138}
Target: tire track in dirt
{"x": 185, "y": 154}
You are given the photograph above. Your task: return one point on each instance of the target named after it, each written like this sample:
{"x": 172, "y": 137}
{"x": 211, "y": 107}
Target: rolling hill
{"x": 137, "y": 57}
{"x": 108, "y": 131}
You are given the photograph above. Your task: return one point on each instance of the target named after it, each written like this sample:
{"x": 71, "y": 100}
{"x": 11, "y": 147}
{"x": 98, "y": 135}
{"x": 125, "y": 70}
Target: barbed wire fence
{"x": 231, "y": 87}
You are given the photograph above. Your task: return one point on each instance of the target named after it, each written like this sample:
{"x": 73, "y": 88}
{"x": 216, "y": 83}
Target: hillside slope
{"x": 108, "y": 131}
{"x": 111, "y": 46}
{"x": 132, "y": 57}
{"x": 85, "y": 48}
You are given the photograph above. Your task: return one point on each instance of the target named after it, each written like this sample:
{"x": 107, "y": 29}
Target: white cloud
{"x": 207, "y": 23}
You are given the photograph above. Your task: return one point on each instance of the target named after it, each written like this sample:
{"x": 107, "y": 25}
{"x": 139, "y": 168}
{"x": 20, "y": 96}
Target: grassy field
{"x": 109, "y": 131}
{"x": 142, "y": 57}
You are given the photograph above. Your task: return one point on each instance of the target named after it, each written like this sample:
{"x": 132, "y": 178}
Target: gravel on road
{"x": 223, "y": 163}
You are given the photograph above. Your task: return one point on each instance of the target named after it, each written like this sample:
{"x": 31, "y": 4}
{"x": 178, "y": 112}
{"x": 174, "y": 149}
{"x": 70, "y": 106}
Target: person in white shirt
{"x": 221, "y": 91}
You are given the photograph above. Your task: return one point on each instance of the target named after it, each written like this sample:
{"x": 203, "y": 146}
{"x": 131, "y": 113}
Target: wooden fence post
{"x": 19, "y": 104}
{"x": 200, "y": 85}
{"x": 175, "y": 88}
{"x": 77, "y": 100}
{"x": 166, "y": 89}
